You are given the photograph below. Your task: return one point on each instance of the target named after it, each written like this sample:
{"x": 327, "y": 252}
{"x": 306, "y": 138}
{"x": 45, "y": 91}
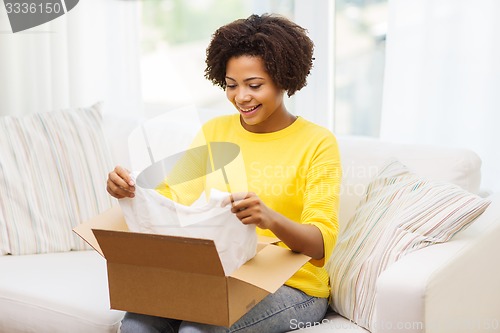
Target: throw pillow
{"x": 53, "y": 168}
{"x": 400, "y": 213}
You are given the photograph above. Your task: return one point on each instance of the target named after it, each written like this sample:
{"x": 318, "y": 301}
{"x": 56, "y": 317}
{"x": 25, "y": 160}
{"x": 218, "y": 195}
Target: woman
{"x": 292, "y": 167}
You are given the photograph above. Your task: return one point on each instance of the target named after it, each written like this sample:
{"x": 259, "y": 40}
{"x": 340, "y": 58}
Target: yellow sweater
{"x": 295, "y": 171}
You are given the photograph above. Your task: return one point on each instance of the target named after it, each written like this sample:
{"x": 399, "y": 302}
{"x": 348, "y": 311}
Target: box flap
{"x": 181, "y": 254}
{"x": 263, "y": 241}
{"x": 112, "y": 219}
{"x": 271, "y": 267}
{"x": 267, "y": 240}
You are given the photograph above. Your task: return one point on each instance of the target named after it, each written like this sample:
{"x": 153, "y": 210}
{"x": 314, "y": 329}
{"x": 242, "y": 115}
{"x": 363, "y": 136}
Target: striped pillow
{"x": 53, "y": 168}
{"x": 400, "y": 213}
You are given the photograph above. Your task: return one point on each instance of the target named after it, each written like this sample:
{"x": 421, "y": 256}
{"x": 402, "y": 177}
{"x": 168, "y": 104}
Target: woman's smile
{"x": 249, "y": 111}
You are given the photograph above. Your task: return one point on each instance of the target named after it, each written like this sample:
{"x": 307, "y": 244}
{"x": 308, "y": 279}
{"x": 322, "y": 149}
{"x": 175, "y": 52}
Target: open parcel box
{"x": 182, "y": 278}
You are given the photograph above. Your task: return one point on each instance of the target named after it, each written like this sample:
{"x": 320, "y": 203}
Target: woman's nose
{"x": 242, "y": 96}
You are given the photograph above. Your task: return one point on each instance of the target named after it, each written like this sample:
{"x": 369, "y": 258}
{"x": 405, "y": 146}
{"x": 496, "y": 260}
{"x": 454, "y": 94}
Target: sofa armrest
{"x": 450, "y": 287}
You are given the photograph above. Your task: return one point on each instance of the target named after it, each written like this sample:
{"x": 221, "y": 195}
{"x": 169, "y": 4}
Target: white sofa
{"x": 451, "y": 287}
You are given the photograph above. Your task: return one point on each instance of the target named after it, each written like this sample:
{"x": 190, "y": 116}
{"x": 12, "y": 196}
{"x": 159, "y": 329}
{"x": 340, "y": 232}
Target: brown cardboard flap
{"x": 112, "y": 219}
{"x": 263, "y": 241}
{"x": 271, "y": 267}
{"x": 174, "y": 253}
{"x": 267, "y": 240}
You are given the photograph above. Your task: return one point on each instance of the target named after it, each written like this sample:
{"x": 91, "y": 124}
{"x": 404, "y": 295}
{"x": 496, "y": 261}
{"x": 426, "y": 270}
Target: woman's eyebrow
{"x": 247, "y": 79}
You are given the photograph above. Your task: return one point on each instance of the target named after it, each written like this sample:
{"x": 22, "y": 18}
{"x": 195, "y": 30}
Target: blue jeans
{"x": 278, "y": 312}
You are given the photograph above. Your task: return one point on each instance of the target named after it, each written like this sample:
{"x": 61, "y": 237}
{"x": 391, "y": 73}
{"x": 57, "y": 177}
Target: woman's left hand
{"x": 303, "y": 238}
{"x": 249, "y": 209}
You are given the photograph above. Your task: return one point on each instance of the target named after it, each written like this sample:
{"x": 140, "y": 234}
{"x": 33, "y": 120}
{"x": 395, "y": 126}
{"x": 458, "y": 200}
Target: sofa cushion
{"x": 56, "y": 293}
{"x": 53, "y": 168}
{"x": 401, "y": 212}
{"x": 363, "y": 158}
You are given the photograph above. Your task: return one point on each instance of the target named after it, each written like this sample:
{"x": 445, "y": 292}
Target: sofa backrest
{"x": 362, "y": 159}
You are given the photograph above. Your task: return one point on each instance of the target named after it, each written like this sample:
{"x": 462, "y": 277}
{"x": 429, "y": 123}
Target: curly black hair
{"x": 284, "y": 47}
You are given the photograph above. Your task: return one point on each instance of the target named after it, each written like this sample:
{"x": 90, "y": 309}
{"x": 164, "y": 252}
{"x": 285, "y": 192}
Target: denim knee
{"x": 139, "y": 323}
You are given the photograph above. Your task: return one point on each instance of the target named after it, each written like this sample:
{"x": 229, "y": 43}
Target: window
{"x": 345, "y": 88}
{"x": 360, "y": 30}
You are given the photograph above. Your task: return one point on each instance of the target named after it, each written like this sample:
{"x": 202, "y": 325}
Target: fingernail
{"x": 131, "y": 183}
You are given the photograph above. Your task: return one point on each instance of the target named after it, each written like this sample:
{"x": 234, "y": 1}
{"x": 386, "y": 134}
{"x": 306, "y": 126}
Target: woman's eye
{"x": 230, "y": 86}
{"x": 255, "y": 86}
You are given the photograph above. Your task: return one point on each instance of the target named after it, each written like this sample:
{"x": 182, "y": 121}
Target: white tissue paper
{"x": 151, "y": 212}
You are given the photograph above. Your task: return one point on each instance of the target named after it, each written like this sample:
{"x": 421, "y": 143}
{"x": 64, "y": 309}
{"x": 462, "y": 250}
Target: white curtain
{"x": 442, "y": 77}
{"x": 90, "y": 54}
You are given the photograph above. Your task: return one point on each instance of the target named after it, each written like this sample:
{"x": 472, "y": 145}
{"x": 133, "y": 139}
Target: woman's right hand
{"x": 120, "y": 184}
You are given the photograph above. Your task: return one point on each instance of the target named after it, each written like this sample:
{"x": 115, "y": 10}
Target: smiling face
{"x": 255, "y": 95}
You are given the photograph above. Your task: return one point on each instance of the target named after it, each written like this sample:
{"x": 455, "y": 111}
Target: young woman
{"x": 292, "y": 168}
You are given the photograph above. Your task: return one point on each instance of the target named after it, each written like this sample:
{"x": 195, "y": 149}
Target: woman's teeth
{"x": 250, "y": 109}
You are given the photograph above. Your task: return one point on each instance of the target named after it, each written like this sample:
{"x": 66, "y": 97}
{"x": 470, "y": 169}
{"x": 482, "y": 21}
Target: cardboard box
{"x": 182, "y": 278}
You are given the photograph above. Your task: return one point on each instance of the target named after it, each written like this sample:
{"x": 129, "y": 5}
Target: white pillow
{"x": 53, "y": 169}
{"x": 400, "y": 213}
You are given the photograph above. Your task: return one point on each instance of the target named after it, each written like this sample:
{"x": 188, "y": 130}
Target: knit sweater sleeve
{"x": 321, "y": 197}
